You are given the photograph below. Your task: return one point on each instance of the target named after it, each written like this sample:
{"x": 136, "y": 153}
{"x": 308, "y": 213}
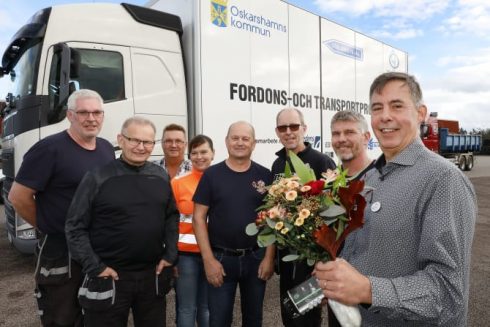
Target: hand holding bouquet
{"x": 310, "y": 217}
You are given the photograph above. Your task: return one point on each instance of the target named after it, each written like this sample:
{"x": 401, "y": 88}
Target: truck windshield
{"x": 23, "y": 76}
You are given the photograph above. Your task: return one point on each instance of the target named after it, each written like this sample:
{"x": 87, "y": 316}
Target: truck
{"x": 443, "y": 137}
{"x": 200, "y": 63}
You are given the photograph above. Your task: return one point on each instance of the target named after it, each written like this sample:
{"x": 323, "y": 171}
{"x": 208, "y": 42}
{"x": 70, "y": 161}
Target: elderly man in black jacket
{"x": 122, "y": 228}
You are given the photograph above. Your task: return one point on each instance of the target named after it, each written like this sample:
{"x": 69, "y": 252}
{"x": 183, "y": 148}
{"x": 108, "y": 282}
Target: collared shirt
{"x": 184, "y": 167}
{"x": 415, "y": 245}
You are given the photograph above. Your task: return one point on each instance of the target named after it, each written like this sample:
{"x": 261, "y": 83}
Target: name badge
{"x": 375, "y": 206}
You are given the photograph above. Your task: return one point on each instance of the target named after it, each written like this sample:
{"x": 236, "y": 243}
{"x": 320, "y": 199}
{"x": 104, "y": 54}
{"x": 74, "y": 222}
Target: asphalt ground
{"x": 18, "y": 308}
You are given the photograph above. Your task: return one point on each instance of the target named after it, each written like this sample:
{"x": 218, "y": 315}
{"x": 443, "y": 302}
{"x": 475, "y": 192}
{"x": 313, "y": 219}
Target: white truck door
{"x": 159, "y": 88}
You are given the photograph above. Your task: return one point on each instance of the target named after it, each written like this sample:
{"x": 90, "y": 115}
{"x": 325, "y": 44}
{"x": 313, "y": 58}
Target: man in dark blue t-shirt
{"x": 41, "y": 194}
{"x": 229, "y": 192}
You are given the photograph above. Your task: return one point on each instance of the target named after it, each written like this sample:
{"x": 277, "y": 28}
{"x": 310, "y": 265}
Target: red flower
{"x": 354, "y": 204}
{"x": 316, "y": 187}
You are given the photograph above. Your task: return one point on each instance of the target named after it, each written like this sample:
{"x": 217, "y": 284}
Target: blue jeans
{"x": 192, "y": 292}
{"x": 242, "y": 271}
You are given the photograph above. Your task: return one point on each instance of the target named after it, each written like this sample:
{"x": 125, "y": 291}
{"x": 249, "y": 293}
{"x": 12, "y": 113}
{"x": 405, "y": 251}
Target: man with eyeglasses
{"x": 123, "y": 227}
{"x": 41, "y": 194}
{"x": 290, "y": 129}
{"x": 173, "y": 145}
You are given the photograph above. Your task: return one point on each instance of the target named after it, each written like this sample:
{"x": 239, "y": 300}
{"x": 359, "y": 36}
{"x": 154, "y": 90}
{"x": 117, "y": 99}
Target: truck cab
{"x": 202, "y": 64}
{"x": 134, "y": 60}
{"x": 443, "y": 138}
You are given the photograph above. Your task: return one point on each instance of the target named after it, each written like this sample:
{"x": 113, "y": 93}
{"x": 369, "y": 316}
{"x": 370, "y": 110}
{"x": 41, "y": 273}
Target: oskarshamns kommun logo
{"x": 219, "y": 12}
{"x": 243, "y": 19}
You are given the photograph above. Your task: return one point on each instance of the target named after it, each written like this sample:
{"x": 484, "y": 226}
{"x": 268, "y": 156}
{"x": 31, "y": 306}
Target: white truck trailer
{"x": 202, "y": 64}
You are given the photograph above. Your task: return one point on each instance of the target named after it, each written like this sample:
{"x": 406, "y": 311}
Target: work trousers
{"x": 58, "y": 279}
{"x": 135, "y": 291}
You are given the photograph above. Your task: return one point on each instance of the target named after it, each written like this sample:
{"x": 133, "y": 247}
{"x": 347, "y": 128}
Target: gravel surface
{"x": 18, "y": 308}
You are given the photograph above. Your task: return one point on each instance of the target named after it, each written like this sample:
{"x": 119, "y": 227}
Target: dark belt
{"x": 234, "y": 252}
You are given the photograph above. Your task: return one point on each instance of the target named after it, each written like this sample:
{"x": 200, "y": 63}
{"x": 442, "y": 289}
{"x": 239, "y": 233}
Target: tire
{"x": 469, "y": 163}
{"x": 462, "y": 163}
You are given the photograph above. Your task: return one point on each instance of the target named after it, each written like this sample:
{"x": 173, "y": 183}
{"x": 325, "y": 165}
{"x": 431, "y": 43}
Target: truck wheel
{"x": 462, "y": 163}
{"x": 469, "y": 163}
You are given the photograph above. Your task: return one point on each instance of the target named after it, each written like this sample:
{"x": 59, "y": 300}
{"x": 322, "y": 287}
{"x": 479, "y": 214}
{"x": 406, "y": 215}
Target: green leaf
{"x": 310, "y": 262}
{"x": 266, "y": 240}
{"x": 267, "y": 230}
{"x": 305, "y": 173}
{"x": 263, "y": 207}
{"x": 333, "y": 211}
{"x": 290, "y": 257}
{"x": 251, "y": 229}
{"x": 343, "y": 218}
{"x": 330, "y": 221}
{"x": 271, "y": 223}
{"x": 287, "y": 170}
{"x": 340, "y": 229}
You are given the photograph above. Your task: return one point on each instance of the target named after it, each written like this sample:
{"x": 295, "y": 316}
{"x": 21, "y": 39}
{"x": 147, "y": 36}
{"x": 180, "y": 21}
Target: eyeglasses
{"x": 136, "y": 142}
{"x": 169, "y": 142}
{"x": 85, "y": 113}
{"x": 284, "y": 128}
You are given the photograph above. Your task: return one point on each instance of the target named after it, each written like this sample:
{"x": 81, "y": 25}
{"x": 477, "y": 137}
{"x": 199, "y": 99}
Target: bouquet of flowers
{"x": 311, "y": 217}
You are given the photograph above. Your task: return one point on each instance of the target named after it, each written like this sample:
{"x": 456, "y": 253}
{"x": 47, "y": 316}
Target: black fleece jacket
{"x": 124, "y": 217}
{"x": 317, "y": 161}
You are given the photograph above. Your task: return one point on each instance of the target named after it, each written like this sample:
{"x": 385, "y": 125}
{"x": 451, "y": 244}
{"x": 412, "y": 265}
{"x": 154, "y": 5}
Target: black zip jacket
{"x": 317, "y": 161}
{"x": 123, "y": 217}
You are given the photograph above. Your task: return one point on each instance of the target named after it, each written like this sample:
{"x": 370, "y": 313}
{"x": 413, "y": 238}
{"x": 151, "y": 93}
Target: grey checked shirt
{"x": 184, "y": 167}
{"x": 415, "y": 245}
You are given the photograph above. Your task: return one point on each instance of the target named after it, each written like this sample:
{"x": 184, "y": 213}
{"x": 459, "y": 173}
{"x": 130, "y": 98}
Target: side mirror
{"x": 61, "y": 87}
{"x": 75, "y": 60}
{"x": 64, "y": 73}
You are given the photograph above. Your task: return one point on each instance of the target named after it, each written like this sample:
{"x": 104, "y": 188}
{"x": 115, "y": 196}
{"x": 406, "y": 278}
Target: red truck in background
{"x": 443, "y": 137}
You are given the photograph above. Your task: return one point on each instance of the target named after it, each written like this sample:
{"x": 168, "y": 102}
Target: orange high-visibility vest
{"x": 184, "y": 187}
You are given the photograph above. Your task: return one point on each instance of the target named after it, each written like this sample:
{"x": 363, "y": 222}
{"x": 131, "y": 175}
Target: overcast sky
{"x": 448, "y": 43}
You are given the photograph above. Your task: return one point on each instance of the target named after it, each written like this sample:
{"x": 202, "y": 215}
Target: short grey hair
{"x": 350, "y": 116}
{"x": 414, "y": 87}
{"x": 137, "y": 120}
{"x": 83, "y": 94}
{"x": 300, "y": 114}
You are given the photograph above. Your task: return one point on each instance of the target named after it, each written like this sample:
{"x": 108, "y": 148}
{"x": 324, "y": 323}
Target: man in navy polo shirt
{"x": 228, "y": 194}
{"x": 41, "y": 194}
